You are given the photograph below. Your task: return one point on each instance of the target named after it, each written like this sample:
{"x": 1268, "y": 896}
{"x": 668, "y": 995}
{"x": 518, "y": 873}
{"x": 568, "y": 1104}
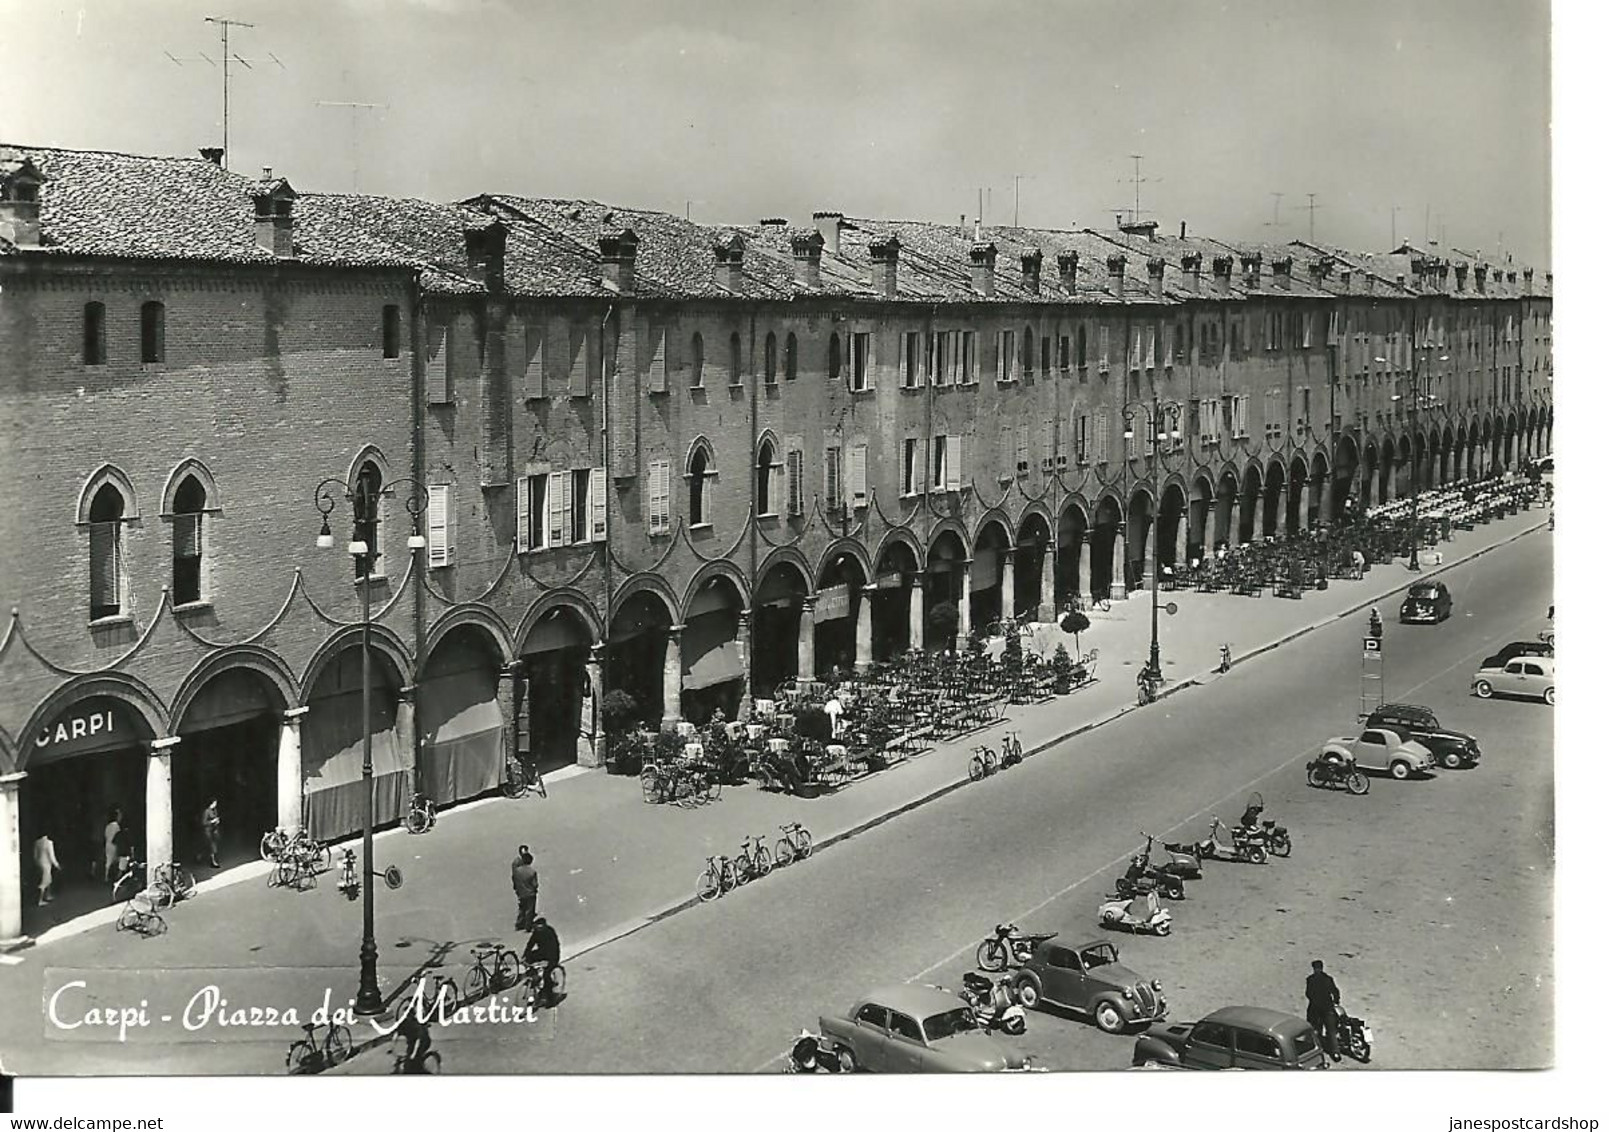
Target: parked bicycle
{"x": 983, "y": 763}
{"x": 521, "y": 777}
{"x": 140, "y": 915}
{"x": 310, "y": 1054}
{"x": 1147, "y": 683}
{"x": 794, "y": 844}
{"x": 429, "y": 1063}
{"x": 753, "y": 860}
{"x": 349, "y": 884}
{"x": 436, "y": 994}
{"x": 421, "y": 815}
{"x": 277, "y": 845}
{"x": 495, "y": 968}
{"x": 717, "y": 879}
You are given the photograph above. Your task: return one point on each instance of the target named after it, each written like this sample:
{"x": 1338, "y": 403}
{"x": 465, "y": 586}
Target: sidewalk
{"x": 611, "y": 864}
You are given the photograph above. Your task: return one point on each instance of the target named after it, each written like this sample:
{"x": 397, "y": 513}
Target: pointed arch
{"x": 190, "y": 468}
{"x": 104, "y": 475}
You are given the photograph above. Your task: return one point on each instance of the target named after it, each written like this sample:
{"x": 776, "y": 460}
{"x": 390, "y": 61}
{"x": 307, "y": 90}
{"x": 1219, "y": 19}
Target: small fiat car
{"x": 1089, "y": 980}
{"x": 1236, "y": 1037}
{"x": 1530, "y": 676}
{"x": 915, "y": 1029}
{"x": 1382, "y": 749}
{"x": 1427, "y": 603}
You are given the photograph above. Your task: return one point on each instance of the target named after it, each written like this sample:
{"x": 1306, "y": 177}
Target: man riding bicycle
{"x": 541, "y": 956}
{"x": 417, "y": 1033}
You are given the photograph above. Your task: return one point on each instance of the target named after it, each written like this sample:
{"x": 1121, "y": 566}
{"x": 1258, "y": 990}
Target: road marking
{"x": 781, "y": 1057}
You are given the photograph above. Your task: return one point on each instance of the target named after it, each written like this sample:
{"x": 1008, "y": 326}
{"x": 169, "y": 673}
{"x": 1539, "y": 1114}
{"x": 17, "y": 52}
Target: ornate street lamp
{"x": 364, "y": 500}
{"x": 1159, "y": 434}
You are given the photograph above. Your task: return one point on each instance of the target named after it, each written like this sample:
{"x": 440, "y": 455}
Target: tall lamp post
{"x": 1415, "y": 400}
{"x": 1158, "y": 434}
{"x": 364, "y": 500}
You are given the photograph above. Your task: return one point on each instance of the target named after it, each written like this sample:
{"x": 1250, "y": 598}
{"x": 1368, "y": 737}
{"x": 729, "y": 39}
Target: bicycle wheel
{"x": 508, "y": 970}
{"x": 991, "y": 955}
{"x": 728, "y": 878}
{"x": 338, "y": 1046}
{"x": 709, "y": 884}
{"x": 321, "y": 858}
{"x": 801, "y": 838}
{"x": 417, "y": 821}
{"x": 651, "y": 785}
{"x": 178, "y": 882}
{"x": 762, "y": 861}
{"x": 478, "y": 983}
{"x": 443, "y": 1001}
{"x": 975, "y": 768}
{"x": 513, "y": 782}
{"x": 537, "y": 784}
{"x": 128, "y": 919}
{"x": 742, "y": 869}
{"x": 268, "y": 847}
{"x": 284, "y": 874}
{"x": 712, "y": 789}
{"x": 301, "y": 1056}
{"x": 785, "y": 852}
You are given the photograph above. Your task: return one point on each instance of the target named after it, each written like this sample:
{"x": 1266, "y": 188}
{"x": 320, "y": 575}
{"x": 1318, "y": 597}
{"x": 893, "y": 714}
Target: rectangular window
{"x": 1104, "y": 353}
{"x": 910, "y": 362}
{"x": 391, "y": 330}
{"x": 938, "y": 363}
{"x": 580, "y": 363}
{"x": 941, "y": 462}
{"x": 94, "y": 334}
{"x": 860, "y": 351}
{"x": 967, "y": 357}
{"x": 1044, "y": 355}
{"x": 857, "y": 476}
{"x": 1005, "y": 360}
{"x": 911, "y": 466}
{"x": 1081, "y": 438}
{"x": 1064, "y": 353}
{"x": 833, "y": 473}
{"x": 1022, "y": 449}
{"x": 105, "y": 570}
{"x": 659, "y": 497}
{"x": 658, "y": 363}
{"x": 531, "y": 512}
{"x": 438, "y": 342}
{"x": 581, "y": 504}
{"x": 795, "y": 481}
{"x": 1103, "y": 431}
{"x": 186, "y": 558}
{"x": 439, "y": 522}
{"x": 153, "y": 333}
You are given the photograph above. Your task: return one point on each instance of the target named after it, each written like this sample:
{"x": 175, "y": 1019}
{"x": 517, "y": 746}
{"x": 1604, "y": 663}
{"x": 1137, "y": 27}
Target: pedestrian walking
{"x": 1323, "y": 1007}
{"x": 47, "y": 864}
{"x": 209, "y": 830}
{"x": 114, "y": 826}
{"x": 525, "y": 888}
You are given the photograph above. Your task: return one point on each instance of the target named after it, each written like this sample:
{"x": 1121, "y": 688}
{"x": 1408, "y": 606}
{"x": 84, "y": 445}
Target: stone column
{"x": 1120, "y": 565}
{"x": 1084, "y": 553}
{"x": 510, "y": 684}
{"x": 673, "y": 678}
{"x": 807, "y": 639}
{"x": 1233, "y": 534}
{"x": 591, "y": 749}
{"x": 1255, "y": 501}
{"x": 1008, "y": 583}
{"x": 863, "y": 631}
{"x": 159, "y": 802}
{"x": 290, "y": 769}
{"x": 407, "y": 735}
{"x": 11, "y": 849}
{"x": 745, "y": 649}
{"x": 1047, "y": 582}
{"x": 1181, "y": 542}
{"x": 1326, "y": 501}
{"x": 964, "y": 627}
{"x": 917, "y": 612}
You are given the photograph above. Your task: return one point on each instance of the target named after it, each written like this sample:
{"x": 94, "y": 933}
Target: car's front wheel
{"x": 1108, "y": 1018}
{"x": 1028, "y": 993}
{"x": 1452, "y": 760}
{"x": 846, "y": 1060}
{"x": 1548, "y": 697}
{"x": 1400, "y": 770}
{"x": 1483, "y": 689}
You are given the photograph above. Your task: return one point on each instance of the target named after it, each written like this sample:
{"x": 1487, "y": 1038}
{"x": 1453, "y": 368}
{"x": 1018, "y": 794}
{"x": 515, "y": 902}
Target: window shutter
{"x": 516, "y": 357}
{"x": 436, "y": 343}
{"x": 440, "y": 505}
{"x": 657, "y": 379}
{"x": 558, "y": 509}
{"x": 871, "y": 361}
{"x": 1167, "y": 343}
{"x": 1150, "y": 347}
{"x": 522, "y": 514}
{"x": 1022, "y": 448}
{"x": 187, "y": 536}
{"x": 600, "y": 506}
{"x": 659, "y": 497}
{"x": 580, "y": 359}
{"x": 1106, "y": 349}
{"x": 919, "y": 473}
{"x": 831, "y": 470}
{"x": 958, "y": 460}
{"x": 857, "y": 474}
{"x": 795, "y": 482}
{"x": 906, "y": 362}
{"x": 103, "y": 564}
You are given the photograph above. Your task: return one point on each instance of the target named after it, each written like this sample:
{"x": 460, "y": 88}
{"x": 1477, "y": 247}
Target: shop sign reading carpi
{"x": 76, "y": 727}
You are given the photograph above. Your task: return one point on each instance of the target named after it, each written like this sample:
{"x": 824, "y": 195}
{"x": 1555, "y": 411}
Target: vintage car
{"x": 916, "y": 1029}
{"x": 1383, "y": 749}
{"x": 1524, "y": 676}
{"x": 1543, "y": 646}
{"x": 1427, "y": 602}
{"x": 1452, "y": 749}
{"x": 1089, "y": 980}
{"x": 1236, "y": 1037}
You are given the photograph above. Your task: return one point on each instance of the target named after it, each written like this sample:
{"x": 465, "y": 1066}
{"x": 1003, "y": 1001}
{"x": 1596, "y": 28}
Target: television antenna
{"x": 354, "y": 107}
{"x": 1136, "y": 180}
{"x": 1276, "y": 222}
{"x": 1312, "y": 208}
{"x": 224, "y": 57}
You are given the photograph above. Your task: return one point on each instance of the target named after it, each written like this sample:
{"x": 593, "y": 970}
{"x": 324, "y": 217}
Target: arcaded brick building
{"x": 684, "y": 460}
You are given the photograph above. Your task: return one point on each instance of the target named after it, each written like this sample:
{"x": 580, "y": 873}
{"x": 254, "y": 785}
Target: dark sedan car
{"x": 1427, "y": 602}
{"x": 1236, "y": 1037}
{"x": 1542, "y": 647}
{"x": 1452, "y": 749}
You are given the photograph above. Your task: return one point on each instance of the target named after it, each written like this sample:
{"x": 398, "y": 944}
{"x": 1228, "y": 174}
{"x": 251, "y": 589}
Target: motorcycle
{"x": 1008, "y": 947}
{"x": 811, "y": 1055}
{"x": 1276, "y": 837}
{"x": 1143, "y": 877}
{"x": 1181, "y": 862}
{"x": 1353, "y": 1037}
{"x": 1240, "y": 846}
{"x": 1141, "y": 914}
{"x": 1336, "y": 775}
{"x": 993, "y": 1004}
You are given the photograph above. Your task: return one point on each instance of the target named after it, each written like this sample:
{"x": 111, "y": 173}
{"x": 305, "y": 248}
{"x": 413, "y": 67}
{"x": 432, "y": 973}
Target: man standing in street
{"x": 525, "y": 888}
{"x": 1323, "y": 1006}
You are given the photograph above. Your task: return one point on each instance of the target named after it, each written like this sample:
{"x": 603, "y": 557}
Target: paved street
{"x": 1458, "y": 890}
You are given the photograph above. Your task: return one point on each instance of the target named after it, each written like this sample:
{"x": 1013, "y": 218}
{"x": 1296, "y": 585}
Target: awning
{"x": 461, "y": 725}
{"x": 332, "y": 765}
{"x": 716, "y": 666}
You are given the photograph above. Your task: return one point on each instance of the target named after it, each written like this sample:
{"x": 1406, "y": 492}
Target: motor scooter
{"x": 1239, "y": 847}
{"x": 811, "y": 1055}
{"x": 993, "y": 1003}
{"x": 1142, "y": 877}
{"x": 1180, "y": 862}
{"x": 1276, "y": 837}
{"x": 1142, "y": 914}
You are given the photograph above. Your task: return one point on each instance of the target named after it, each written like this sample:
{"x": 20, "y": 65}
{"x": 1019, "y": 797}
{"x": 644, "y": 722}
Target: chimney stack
{"x": 618, "y": 249}
{"x": 1402, "y": 281}
{"x": 1032, "y": 262}
{"x": 829, "y": 224}
{"x": 885, "y": 266}
{"x": 1181, "y": 229}
{"x": 1346, "y": 280}
{"x": 19, "y": 204}
{"x": 1067, "y": 267}
{"x": 807, "y": 260}
{"x": 1115, "y": 266}
{"x": 484, "y": 247}
{"x": 983, "y": 256}
{"x": 1223, "y": 270}
{"x": 1460, "y": 275}
{"x": 1282, "y": 273}
{"x": 273, "y": 201}
{"x": 1251, "y": 267}
{"x": 1154, "y": 268}
{"x": 1513, "y": 278}
{"x": 1191, "y": 263}
{"x": 213, "y": 153}
{"x": 1480, "y": 278}
{"x": 729, "y": 261}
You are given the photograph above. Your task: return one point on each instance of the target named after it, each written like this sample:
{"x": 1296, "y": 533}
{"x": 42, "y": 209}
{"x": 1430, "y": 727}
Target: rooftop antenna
{"x": 1394, "y": 244}
{"x": 977, "y": 224}
{"x": 1427, "y": 224}
{"x": 354, "y": 107}
{"x": 1137, "y": 181}
{"x": 225, "y": 56}
{"x": 1277, "y": 223}
{"x": 1312, "y": 207}
{"x": 687, "y": 207}
{"x": 1016, "y": 206}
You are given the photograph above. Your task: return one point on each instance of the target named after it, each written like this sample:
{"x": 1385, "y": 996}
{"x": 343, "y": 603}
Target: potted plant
{"x": 1061, "y": 671}
{"x": 620, "y": 715}
{"x": 942, "y": 621}
{"x": 813, "y": 724}
{"x": 1075, "y": 622}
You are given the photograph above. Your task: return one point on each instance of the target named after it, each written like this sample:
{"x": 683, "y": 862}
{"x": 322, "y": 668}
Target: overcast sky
{"x": 895, "y": 108}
